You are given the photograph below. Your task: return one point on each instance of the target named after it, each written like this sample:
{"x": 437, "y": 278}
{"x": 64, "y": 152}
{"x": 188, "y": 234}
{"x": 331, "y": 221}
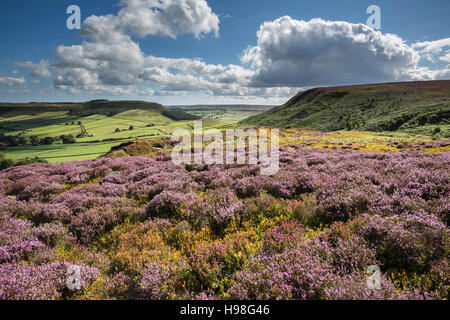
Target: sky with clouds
{"x": 216, "y": 51}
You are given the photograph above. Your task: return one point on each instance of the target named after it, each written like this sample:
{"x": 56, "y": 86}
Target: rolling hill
{"x": 94, "y": 107}
{"x": 417, "y": 107}
{"x": 224, "y": 112}
{"x": 38, "y": 129}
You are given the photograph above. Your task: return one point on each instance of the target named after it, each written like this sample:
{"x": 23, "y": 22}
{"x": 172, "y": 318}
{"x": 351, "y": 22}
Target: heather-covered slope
{"x": 409, "y": 106}
{"x": 143, "y": 228}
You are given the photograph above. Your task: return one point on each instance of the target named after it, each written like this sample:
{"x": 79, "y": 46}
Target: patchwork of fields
{"x": 104, "y": 132}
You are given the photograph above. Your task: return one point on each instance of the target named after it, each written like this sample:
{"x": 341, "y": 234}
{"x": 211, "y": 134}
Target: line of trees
{"x": 7, "y": 141}
{"x": 130, "y": 128}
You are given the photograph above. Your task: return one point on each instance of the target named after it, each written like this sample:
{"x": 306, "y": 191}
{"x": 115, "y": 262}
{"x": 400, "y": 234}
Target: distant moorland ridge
{"x": 105, "y": 107}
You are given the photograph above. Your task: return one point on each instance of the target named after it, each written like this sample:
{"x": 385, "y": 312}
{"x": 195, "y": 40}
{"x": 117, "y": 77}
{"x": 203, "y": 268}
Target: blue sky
{"x": 238, "y": 65}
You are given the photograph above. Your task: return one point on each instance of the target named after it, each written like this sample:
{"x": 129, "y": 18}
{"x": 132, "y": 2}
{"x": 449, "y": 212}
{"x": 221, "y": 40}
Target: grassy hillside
{"x": 107, "y": 123}
{"x": 95, "y": 107}
{"x": 227, "y": 113}
{"x": 418, "y": 107}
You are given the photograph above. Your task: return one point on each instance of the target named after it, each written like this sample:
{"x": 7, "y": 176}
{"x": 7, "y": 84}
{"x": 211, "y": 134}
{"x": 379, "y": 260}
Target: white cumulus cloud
{"x": 290, "y": 54}
{"x": 317, "y": 52}
{"x": 168, "y": 17}
{"x": 41, "y": 69}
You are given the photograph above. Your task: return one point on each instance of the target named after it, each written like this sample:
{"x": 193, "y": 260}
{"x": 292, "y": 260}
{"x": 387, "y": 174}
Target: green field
{"x": 224, "y": 113}
{"x": 107, "y": 128}
{"x": 59, "y": 152}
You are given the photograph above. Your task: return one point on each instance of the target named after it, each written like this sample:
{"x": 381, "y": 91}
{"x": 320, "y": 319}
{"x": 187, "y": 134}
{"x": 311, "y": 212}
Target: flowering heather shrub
{"x": 438, "y": 280}
{"x": 212, "y": 265}
{"x": 165, "y": 204}
{"x": 340, "y": 203}
{"x": 287, "y": 184}
{"x": 217, "y": 207}
{"x": 14, "y": 230}
{"x": 161, "y": 282}
{"x": 17, "y": 241}
{"x": 354, "y": 287}
{"x": 114, "y": 287}
{"x": 408, "y": 241}
{"x": 18, "y": 209}
{"x": 26, "y": 282}
{"x": 87, "y": 214}
{"x": 118, "y": 286}
{"x": 112, "y": 189}
{"x": 48, "y": 212}
{"x": 397, "y": 204}
{"x": 284, "y": 236}
{"x": 89, "y": 225}
{"x": 80, "y": 202}
{"x": 205, "y": 296}
{"x": 40, "y": 190}
{"x": 250, "y": 186}
{"x": 151, "y": 186}
{"x": 352, "y": 256}
{"x": 52, "y": 234}
{"x": 314, "y": 270}
{"x": 113, "y": 179}
{"x": 300, "y": 273}
{"x": 19, "y": 251}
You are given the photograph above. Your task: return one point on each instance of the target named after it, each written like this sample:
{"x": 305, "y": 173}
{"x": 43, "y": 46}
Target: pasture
{"x": 103, "y": 131}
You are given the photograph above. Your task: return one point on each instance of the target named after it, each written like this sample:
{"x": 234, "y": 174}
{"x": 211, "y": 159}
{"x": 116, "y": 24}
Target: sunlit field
{"x": 104, "y": 132}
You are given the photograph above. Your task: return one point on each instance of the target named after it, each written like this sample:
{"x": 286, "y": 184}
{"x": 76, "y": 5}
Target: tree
{"x": 12, "y": 141}
{"x": 70, "y": 139}
{"x": 34, "y": 140}
{"x": 117, "y": 130}
{"x": 22, "y": 141}
{"x": 131, "y": 128}
{"x": 47, "y": 140}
